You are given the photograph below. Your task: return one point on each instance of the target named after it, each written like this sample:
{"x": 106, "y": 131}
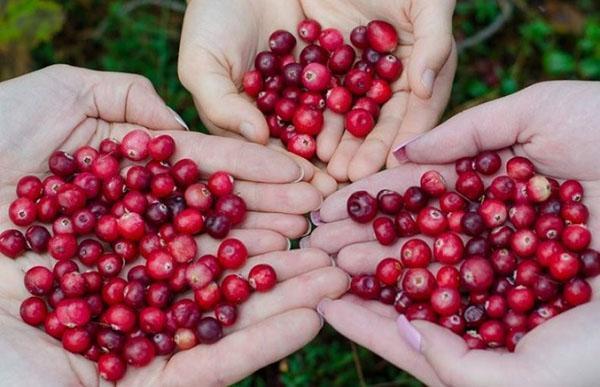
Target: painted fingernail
{"x": 248, "y": 130}
{"x": 305, "y": 242}
{"x": 289, "y": 245}
{"x": 179, "y": 120}
{"x": 301, "y": 177}
{"x": 427, "y": 79}
{"x": 315, "y": 218}
{"x": 321, "y": 306}
{"x": 309, "y": 228}
{"x": 400, "y": 151}
{"x": 409, "y": 333}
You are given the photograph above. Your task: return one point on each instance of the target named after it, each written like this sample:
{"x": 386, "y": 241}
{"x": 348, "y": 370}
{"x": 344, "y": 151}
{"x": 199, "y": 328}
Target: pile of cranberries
{"x": 293, "y": 95}
{"x": 105, "y": 208}
{"x": 507, "y": 257}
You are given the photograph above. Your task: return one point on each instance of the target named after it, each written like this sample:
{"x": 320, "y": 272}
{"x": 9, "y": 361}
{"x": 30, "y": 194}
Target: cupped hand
{"x": 221, "y": 39}
{"x": 553, "y": 124}
{"x": 62, "y": 107}
{"x": 420, "y": 95}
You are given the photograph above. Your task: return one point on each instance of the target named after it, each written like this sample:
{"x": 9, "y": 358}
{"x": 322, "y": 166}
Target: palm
{"x": 65, "y": 108}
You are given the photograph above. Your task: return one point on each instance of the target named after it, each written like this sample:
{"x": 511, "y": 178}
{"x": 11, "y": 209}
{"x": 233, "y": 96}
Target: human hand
{"x": 215, "y": 54}
{"x": 62, "y": 107}
{"x": 554, "y": 125}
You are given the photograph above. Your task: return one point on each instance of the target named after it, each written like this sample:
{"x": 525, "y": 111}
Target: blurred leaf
{"x": 558, "y": 63}
{"x": 477, "y": 88}
{"x": 590, "y": 68}
{"x": 564, "y": 17}
{"x": 30, "y": 22}
{"x": 536, "y": 31}
{"x": 508, "y": 86}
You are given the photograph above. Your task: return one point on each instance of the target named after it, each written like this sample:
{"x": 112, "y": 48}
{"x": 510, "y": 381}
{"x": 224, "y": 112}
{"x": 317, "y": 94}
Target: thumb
{"x": 219, "y": 100}
{"x": 432, "y": 23}
{"x": 452, "y": 360}
{"x": 493, "y": 125}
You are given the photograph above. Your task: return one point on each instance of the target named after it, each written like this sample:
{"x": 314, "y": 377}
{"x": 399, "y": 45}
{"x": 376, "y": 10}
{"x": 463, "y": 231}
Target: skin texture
{"x": 62, "y": 107}
{"x": 554, "y": 124}
{"x": 215, "y": 53}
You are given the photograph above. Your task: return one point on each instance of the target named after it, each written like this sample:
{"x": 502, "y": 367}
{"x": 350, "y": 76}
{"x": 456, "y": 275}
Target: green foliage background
{"x": 541, "y": 40}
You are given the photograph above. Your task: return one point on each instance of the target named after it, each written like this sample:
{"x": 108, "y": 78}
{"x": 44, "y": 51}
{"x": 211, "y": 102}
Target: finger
{"x": 432, "y": 23}
{"x": 302, "y": 291}
{"x": 338, "y": 165}
{"x": 324, "y": 183}
{"x": 332, "y": 237}
{"x": 378, "y": 334}
{"x": 330, "y": 136}
{"x": 246, "y": 350}
{"x": 242, "y": 159}
{"x": 423, "y": 114}
{"x": 219, "y": 99}
{"x": 120, "y": 97}
{"x": 372, "y": 153}
{"x": 386, "y": 311}
{"x": 493, "y": 125}
{"x": 307, "y": 168}
{"x": 291, "y": 226}
{"x": 289, "y": 264}
{"x": 363, "y": 258}
{"x": 455, "y": 364}
{"x": 256, "y": 241}
{"x": 297, "y": 198}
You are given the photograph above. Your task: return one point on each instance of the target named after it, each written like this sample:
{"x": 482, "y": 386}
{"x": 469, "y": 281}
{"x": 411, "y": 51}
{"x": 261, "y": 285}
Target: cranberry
{"x": 549, "y": 226}
{"x": 262, "y": 278}
{"x": 185, "y": 338}
{"x": 522, "y": 215}
{"x": 109, "y": 265}
{"x": 420, "y": 311}
{"x": 470, "y": 185}
{"x": 160, "y": 265}
{"x": 405, "y": 224}
{"x": 388, "y": 67}
{"x": 282, "y": 42}
{"x": 445, "y": 301}
{"x": 527, "y": 273}
{"x": 544, "y": 288}
{"x": 495, "y": 306}
{"x": 73, "y": 284}
{"x": 576, "y": 292}
{"x": 163, "y": 343}
{"x": 267, "y": 63}
{"x": 358, "y": 37}
{"x": 419, "y": 284}
{"x": 415, "y": 253}
{"x": 217, "y": 226}
{"x": 33, "y": 311}
{"x": 185, "y": 313}
{"x": 574, "y": 213}
{"x": 209, "y": 330}
{"x": 62, "y": 246}
{"x": 62, "y": 164}
{"x": 493, "y": 333}
{"x": 76, "y": 340}
{"x": 520, "y": 168}
{"x": 220, "y": 183}
{"x": 139, "y": 351}
{"x": 503, "y": 261}
{"x": 365, "y": 286}
{"x": 388, "y": 271}
{"x": 309, "y": 30}
{"x": 590, "y": 260}
{"x": 198, "y": 275}
{"x": 303, "y": 145}
{"x": 520, "y": 299}
{"x": 389, "y": 202}
{"x": 37, "y": 238}
{"x": 382, "y": 36}
{"x": 252, "y": 82}
{"x": 63, "y": 267}
{"x": 448, "y": 248}
{"x": 73, "y": 312}
{"x": 570, "y": 191}
{"x": 431, "y": 221}
{"x": 339, "y": 99}
{"x": 474, "y": 315}
{"x": 235, "y": 289}
{"x": 47, "y": 209}
{"x": 464, "y": 164}
{"x": 476, "y": 274}
{"x": 189, "y": 221}
{"x": 313, "y": 54}
{"x": 93, "y": 281}
{"x": 576, "y": 237}
{"x": 415, "y": 199}
{"x": 524, "y": 243}
{"x": 358, "y": 82}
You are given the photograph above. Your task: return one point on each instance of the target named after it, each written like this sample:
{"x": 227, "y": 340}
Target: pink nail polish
{"x": 409, "y": 333}
{"x": 305, "y": 242}
{"x": 322, "y": 305}
{"x": 315, "y": 217}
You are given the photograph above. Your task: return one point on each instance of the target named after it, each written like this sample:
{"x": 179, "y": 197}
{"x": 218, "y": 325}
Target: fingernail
{"x": 299, "y": 179}
{"x": 289, "y": 246}
{"x": 315, "y": 217}
{"x": 400, "y": 151}
{"x": 248, "y": 130}
{"x": 409, "y": 333}
{"x": 321, "y": 306}
{"x": 349, "y": 280}
{"x": 305, "y": 242}
{"x": 309, "y": 229}
{"x": 427, "y": 79}
{"x": 333, "y": 263}
{"x": 179, "y": 120}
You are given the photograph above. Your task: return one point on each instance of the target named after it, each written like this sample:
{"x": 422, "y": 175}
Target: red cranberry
{"x": 358, "y": 82}
{"x": 309, "y": 30}
{"x": 520, "y": 168}
{"x": 574, "y": 213}
{"x": 524, "y": 243}
{"x": 235, "y": 289}
{"x": 405, "y": 224}
{"x": 47, "y": 209}
{"x": 62, "y": 246}
{"x": 226, "y": 314}
{"x": 107, "y": 229}
{"x": 281, "y": 42}
{"x": 220, "y": 183}
{"x": 520, "y": 299}
{"x": 493, "y": 333}
{"x": 62, "y": 164}
{"x": 448, "y": 248}
{"x": 362, "y": 207}
{"x": 22, "y": 212}
{"x": 576, "y": 237}
{"x": 388, "y": 271}
{"x": 495, "y": 306}
{"x": 198, "y": 275}
{"x": 522, "y": 215}
{"x": 189, "y": 221}
{"x": 527, "y": 273}
{"x": 445, "y": 301}
{"x": 420, "y": 311}
{"x": 487, "y": 162}
{"x": 433, "y": 183}
{"x": 73, "y": 312}
{"x": 548, "y": 226}
{"x": 415, "y": 253}
{"x": 470, "y": 185}
{"x": 503, "y": 188}
{"x": 341, "y": 59}
{"x": 571, "y": 191}
{"x": 453, "y": 322}
{"x": 262, "y": 278}
{"x": 33, "y": 311}
{"x": 252, "y": 82}
{"x": 576, "y": 292}
{"x": 384, "y": 230}
{"x": 38, "y": 280}
{"x": 464, "y": 164}
{"x": 590, "y": 260}
{"x": 134, "y": 145}
{"x": 415, "y": 199}
{"x": 303, "y": 145}
{"x": 365, "y": 286}
{"x": 431, "y": 221}
{"x": 93, "y": 281}
{"x": 448, "y": 277}
{"x": 139, "y": 351}
{"x": 109, "y": 340}
{"x": 209, "y": 330}
{"x": 503, "y": 261}
{"x": 29, "y": 187}
{"x": 380, "y": 91}
{"x": 389, "y": 202}
{"x": 544, "y": 288}
{"x": 121, "y": 318}
{"x": 217, "y": 226}
{"x": 418, "y": 284}
{"x": 37, "y": 238}
{"x": 389, "y": 67}
{"x": 163, "y": 343}
{"x": 113, "y": 291}
{"x": 73, "y": 284}
{"x": 152, "y": 320}
{"x": 105, "y": 167}
{"x": 339, "y": 100}
{"x": 308, "y": 120}
{"x": 232, "y": 254}
{"x": 267, "y": 63}
{"x": 358, "y": 37}
{"x": 382, "y": 36}
{"x": 208, "y": 296}
{"x": 76, "y": 340}
{"x": 313, "y": 54}
{"x": 493, "y": 212}
{"x": 477, "y": 274}
{"x": 160, "y": 265}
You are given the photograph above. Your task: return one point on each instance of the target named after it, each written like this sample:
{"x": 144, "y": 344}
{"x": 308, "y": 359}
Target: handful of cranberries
{"x": 106, "y": 217}
{"x": 509, "y": 256}
{"x": 293, "y": 95}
